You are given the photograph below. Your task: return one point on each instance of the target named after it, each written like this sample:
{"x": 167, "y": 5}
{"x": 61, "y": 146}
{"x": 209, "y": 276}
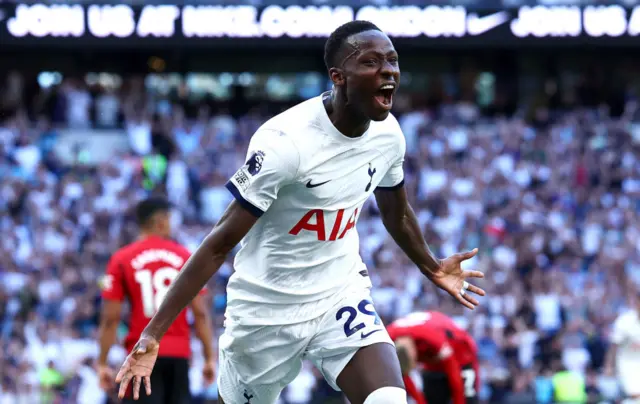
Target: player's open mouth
{"x": 384, "y": 96}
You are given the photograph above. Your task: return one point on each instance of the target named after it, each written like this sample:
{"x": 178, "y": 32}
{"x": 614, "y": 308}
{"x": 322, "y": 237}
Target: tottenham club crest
{"x": 254, "y": 164}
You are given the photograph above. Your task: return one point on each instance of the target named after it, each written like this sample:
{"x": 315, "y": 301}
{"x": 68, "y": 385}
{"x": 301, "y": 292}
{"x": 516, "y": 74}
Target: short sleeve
{"x": 112, "y": 284}
{"x": 394, "y": 177}
{"x": 272, "y": 162}
{"x": 617, "y": 331}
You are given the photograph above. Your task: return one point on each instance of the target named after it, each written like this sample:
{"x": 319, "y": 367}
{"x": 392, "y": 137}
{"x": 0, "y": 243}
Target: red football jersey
{"x": 436, "y": 337}
{"x": 142, "y": 272}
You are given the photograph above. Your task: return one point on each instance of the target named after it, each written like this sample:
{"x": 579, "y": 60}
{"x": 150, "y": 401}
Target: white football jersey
{"x": 626, "y": 334}
{"x": 308, "y": 183}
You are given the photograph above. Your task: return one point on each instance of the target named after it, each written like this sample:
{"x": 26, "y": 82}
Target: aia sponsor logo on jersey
{"x": 315, "y": 221}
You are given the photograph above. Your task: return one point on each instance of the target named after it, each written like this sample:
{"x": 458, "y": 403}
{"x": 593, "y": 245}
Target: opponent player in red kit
{"x": 142, "y": 272}
{"x": 445, "y": 354}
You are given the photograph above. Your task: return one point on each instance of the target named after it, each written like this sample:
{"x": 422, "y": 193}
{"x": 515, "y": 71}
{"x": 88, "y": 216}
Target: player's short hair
{"x": 149, "y": 207}
{"x": 340, "y": 35}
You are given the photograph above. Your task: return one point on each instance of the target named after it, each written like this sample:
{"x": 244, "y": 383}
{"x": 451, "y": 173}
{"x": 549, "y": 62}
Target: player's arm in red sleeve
{"x": 454, "y": 374}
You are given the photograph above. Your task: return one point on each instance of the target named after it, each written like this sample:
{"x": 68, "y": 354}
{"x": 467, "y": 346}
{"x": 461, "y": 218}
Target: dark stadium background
{"x": 523, "y": 140}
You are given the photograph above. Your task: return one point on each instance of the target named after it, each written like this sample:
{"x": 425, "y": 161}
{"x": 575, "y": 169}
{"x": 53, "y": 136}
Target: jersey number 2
{"x": 153, "y": 287}
{"x": 350, "y": 329}
{"x": 469, "y": 377}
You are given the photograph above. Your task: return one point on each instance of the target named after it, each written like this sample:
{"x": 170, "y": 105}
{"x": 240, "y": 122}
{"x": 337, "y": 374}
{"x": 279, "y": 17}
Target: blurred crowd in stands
{"x": 487, "y": 4}
{"x": 550, "y": 196}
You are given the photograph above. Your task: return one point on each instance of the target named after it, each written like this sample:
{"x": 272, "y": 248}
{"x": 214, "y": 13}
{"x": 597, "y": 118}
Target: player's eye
{"x": 393, "y": 60}
{"x": 371, "y": 62}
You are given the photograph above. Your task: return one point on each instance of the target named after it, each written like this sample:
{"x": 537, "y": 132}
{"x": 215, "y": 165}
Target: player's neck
{"x": 343, "y": 117}
{"x": 149, "y": 234}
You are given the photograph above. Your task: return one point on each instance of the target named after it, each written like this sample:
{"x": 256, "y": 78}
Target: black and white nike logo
{"x": 310, "y": 185}
{"x": 366, "y": 335}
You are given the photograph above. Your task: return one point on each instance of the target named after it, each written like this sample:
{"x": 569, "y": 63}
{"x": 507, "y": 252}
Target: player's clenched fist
{"x": 138, "y": 367}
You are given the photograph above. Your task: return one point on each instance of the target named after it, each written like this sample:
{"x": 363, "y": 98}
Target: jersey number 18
{"x": 153, "y": 287}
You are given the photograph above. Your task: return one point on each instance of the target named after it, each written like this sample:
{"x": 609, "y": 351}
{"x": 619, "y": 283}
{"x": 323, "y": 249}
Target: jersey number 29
{"x": 352, "y": 313}
{"x": 153, "y": 287}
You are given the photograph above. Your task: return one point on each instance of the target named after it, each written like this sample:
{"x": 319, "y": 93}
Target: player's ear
{"x": 337, "y": 76}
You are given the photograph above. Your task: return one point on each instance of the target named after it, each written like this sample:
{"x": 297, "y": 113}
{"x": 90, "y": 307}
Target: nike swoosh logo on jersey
{"x": 310, "y": 185}
{"x": 479, "y": 25}
{"x": 365, "y": 335}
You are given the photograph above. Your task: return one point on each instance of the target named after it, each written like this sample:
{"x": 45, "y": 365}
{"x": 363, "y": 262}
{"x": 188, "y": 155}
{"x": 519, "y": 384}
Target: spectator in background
{"x": 154, "y": 168}
{"x": 51, "y": 380}
{"x": 138, "y": 127}
{"x": 594, "y": 396}
{"x": 187, "y": 134}
{"x": 27, "y": 154}
{"x": 78, "y": 102}
{"x": 12, "y": 92}
{"x": 543, "y": 386}
{"x": 224, "y": 127}
{"x": 161, "y": 138}
{"x": 522, "y": 391}
{"x": 107, "y": 109}
{"x": 178, "y": 182}
{"x": 214, "y": 198}
{"x": 568, "y": 386}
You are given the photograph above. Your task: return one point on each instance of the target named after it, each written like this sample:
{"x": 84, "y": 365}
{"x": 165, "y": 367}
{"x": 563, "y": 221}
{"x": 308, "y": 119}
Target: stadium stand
{"x": 550, "y": 195}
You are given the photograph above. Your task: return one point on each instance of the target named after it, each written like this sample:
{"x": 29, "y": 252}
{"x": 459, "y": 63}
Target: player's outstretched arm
{"x": 205, "y": 261}
{"x": 402, "y": 224}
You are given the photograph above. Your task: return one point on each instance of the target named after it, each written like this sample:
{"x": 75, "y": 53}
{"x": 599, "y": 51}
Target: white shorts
{"x": 257, "y": 361}
{"x": 628, "y": 372}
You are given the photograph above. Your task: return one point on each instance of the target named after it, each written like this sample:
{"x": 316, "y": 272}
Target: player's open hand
{"x": 209, "y": 373}
{"x": 453, "y": 279}
{"x": 138, "y": 367}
